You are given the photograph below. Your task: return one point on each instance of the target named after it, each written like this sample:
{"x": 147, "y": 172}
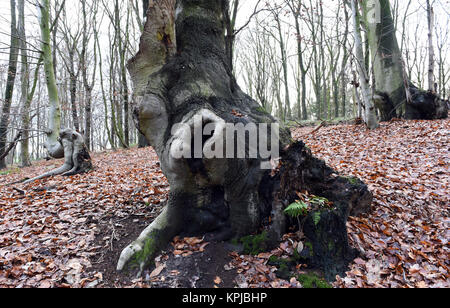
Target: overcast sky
{"x": 246, "y": 8}
{"x": 417, "y": 14}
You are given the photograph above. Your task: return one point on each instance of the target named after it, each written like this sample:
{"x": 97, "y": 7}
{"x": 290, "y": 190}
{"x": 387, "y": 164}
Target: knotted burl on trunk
{"x": 183, "y": 86}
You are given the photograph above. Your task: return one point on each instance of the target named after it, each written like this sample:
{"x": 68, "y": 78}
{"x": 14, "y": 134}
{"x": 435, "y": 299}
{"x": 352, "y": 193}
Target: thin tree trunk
{"x": 87, "y": 86}
{"x": 52, "y": 144}
{"x": 11, "y": 78}
{"x": 371, "y": 118}
{"x": 344, "y": 62}
{"x": 73, "y": 90}
{"x": 284, "y": 62}
{"x": 123, "y": 70}
{"x": 26, "y": 96}
{"x": 430, "y": 14}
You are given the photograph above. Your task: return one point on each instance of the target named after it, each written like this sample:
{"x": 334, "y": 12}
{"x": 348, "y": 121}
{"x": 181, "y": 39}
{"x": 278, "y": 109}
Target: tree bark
{"x": 430, "y": 16}
{"x": 88, "y": 86}
{"x": 370, "y": 114}
{"x": 73, "y": 89}
{"x": 12, "y": 70}
{"x": 391, "y": 80}
{"x": 26, "y": 94}
{"x": 76, "y": 156}
{"x": 52, "y": 144}
{"x": 185, "y": 85}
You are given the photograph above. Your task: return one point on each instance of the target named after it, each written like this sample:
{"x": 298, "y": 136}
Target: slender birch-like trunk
{"x": 370, "y": 114}
{"x": 430, "y": 15}
{"x": 53, "y": 146}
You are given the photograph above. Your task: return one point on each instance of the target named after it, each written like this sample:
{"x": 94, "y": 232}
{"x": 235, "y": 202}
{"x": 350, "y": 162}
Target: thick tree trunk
{"x": 392, "y": 85}
{"x": 185, "y": 86}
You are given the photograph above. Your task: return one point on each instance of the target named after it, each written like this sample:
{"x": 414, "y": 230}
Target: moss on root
{"x": 353, "y": 180}
{"x": 284, "y": 267}
{"x": 286, "y": 270}
{"x": 144, "y": 257}
{"x": 255, "y": 244}
{"x": 313, "y": 281}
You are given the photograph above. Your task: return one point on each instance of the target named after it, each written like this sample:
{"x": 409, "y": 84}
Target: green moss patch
{"x": 255, "y": 244}
{"x": 284, "y": 267}
{"x": 145, "y": 256}
{"x": 10, "y": 171}
{"x": 352, "y": 180}
{"x": 313, "y": 281}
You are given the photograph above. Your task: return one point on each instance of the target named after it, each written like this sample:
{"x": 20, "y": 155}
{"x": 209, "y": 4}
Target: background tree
{"x": 185, "y": 78}
{"x": 391, "y": 80}
{"x": 12, "y": 70}
{"x": 370, "y": 115}
{"x": 430, "y": 17}
{"x": 52, "y": 144}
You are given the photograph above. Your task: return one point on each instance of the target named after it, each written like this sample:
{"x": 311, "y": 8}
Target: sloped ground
{"x": 57, "y": 232}
{"x": 404, "y": 241}
{"x": 68, "y": 232}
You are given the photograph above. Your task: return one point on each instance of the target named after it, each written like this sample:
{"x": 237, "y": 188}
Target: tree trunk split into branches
{"x": 184, "y": 77}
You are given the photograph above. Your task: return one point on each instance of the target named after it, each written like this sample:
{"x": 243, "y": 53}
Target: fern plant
{"x": 301, "y": 208}
{"x": 296, "y": 209}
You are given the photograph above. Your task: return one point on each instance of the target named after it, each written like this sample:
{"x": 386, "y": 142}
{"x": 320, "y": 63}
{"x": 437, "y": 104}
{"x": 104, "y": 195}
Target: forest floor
{"x": 68, "y": 232}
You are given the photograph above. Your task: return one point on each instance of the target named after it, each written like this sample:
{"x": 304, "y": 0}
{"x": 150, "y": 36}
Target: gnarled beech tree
{"x": 76, "y": 156}
{"x": 181, "y": 73}
{"x": 395, "y": 94}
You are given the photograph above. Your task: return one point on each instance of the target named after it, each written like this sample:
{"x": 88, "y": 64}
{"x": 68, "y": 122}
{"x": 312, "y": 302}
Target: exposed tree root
{"x": 154, "y": 238}
{"x": 76, "y": 156}
{"x": 325, "y": 229}
{"x": 424, "y": 105}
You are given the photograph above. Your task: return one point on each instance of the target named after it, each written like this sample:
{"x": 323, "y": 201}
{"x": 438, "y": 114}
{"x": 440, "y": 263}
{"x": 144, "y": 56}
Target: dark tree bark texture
{"x": 179, "y": 78}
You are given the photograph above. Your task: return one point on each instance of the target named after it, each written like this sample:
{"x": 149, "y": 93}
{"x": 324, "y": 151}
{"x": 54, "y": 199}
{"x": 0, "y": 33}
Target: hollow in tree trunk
{"x": 185, "y": 85}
